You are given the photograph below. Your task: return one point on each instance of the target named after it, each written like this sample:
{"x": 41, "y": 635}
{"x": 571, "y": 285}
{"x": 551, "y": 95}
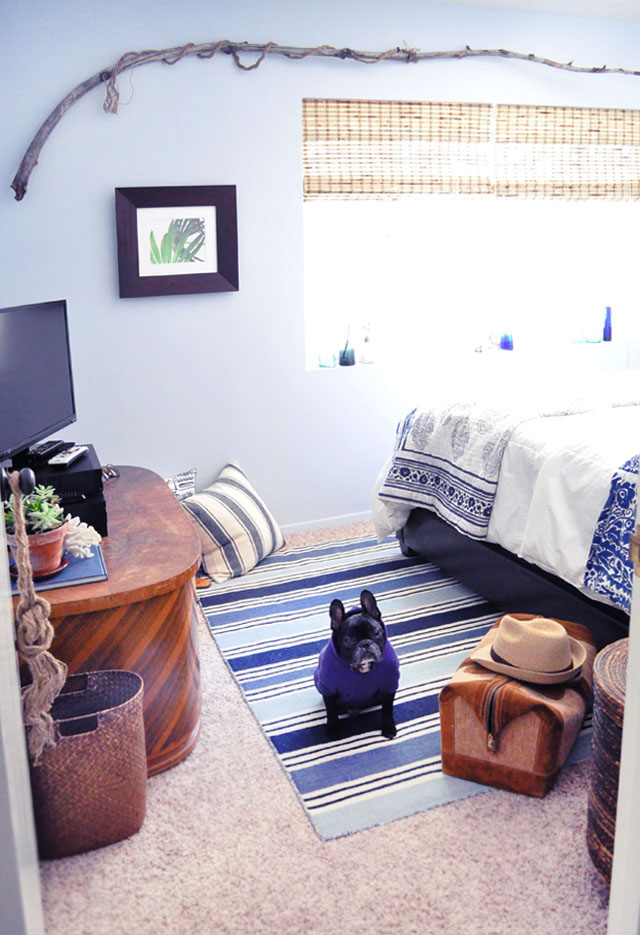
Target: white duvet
{"x": 554, "y": 481}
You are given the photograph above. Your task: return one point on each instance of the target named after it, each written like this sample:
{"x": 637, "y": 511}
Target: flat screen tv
{"x": 36, "y": 382}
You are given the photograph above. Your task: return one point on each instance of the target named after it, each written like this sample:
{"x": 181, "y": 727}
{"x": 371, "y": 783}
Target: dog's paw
{"x": 389, "y": 729}
{"x": 332, "y": 730}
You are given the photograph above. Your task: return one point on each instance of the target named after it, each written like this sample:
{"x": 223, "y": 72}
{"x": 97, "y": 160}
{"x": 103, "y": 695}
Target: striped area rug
{"x": 270, "y": 626}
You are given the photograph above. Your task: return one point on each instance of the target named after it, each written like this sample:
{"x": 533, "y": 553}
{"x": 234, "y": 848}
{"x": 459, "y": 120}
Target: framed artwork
{"x": 177, "y": 240}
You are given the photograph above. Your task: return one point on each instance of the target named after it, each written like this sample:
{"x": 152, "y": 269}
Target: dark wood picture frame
{"x": 222, "y": 276}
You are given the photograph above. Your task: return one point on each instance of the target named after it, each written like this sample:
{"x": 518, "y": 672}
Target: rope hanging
{"x": 129, "y": 60}
{"x": 34, "y": 635}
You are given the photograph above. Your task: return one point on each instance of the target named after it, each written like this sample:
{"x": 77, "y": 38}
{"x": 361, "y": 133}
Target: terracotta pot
{"x": 45, "y": 550}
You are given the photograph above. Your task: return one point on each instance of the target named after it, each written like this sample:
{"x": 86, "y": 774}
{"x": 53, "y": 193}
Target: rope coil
{"x": 34, "y": 635}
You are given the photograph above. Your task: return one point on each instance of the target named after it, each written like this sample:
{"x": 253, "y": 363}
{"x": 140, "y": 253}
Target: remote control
{"x": 45, "y": 450}
{"x": 65, "y": 458}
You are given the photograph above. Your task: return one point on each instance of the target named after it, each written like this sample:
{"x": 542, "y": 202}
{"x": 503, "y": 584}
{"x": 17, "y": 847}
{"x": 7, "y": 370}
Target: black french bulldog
{"x": 358, "y": 668}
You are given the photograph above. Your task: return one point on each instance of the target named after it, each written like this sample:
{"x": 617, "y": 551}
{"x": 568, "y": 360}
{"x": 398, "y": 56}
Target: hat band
{"x": 505, "y": 662}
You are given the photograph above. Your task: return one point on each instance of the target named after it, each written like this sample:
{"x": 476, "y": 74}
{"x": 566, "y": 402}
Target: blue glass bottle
{"x": 606, "y": 331}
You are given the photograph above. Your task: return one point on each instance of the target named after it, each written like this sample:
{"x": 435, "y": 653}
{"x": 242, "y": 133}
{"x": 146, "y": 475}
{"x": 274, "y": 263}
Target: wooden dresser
{"x": 144, "y": 616}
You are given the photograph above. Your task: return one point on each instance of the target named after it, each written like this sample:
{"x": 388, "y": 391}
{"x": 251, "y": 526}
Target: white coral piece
{"x": 80, "y": 537}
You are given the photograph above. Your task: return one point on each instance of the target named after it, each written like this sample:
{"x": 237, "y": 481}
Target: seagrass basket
{"x": 609, "y": 686}
{"x": 89, "y": 790}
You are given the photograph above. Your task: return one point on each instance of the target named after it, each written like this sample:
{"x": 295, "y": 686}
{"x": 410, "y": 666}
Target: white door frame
{"x": 20, "y": 895}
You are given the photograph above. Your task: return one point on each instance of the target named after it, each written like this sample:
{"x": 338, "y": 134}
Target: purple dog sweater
{"x": 356, "y": 689}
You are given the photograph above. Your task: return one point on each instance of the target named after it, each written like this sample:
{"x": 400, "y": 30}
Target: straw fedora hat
{"x": 537, "y": 650}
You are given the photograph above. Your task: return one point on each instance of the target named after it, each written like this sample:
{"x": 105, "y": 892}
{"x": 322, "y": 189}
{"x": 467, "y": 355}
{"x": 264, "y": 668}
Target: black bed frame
{"x": 514, "y": 585}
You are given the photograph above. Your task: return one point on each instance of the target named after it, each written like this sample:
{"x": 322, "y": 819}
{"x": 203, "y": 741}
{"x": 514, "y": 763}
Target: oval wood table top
{"x": 151, "y": 549}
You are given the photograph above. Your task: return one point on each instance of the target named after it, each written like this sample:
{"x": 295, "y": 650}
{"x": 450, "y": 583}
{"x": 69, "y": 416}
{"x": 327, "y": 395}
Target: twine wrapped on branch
{"x": 34, "y": 634}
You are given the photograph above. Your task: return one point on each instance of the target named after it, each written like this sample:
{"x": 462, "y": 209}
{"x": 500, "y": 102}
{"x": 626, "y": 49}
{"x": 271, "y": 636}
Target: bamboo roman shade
{"x": 393, "y": 149}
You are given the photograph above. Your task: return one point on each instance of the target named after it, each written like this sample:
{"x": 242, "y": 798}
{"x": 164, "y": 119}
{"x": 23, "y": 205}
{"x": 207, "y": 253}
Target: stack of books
{"x": 72, "y": 571}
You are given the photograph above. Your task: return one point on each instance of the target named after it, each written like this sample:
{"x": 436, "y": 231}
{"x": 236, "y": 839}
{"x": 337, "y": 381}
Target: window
{"x": 435, "y": 226}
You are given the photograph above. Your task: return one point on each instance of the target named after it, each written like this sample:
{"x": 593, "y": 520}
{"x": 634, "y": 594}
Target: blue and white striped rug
{"x": 270, "y": 626}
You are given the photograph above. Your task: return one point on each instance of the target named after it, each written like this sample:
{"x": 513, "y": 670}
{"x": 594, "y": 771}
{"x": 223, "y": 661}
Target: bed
{"x": 525, "y": 492}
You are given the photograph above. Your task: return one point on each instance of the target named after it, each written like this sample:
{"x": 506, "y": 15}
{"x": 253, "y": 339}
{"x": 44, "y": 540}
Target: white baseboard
{"x": 327, "y": 521}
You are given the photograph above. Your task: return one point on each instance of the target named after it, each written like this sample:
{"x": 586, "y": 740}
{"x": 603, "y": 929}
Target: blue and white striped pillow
{"x": 235, "y": 527}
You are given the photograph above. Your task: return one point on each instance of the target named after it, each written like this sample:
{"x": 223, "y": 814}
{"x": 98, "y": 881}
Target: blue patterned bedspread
{"x": 609, "y": 570}
{"x": 448, "y": 458}
{"x": 428, "y": 475}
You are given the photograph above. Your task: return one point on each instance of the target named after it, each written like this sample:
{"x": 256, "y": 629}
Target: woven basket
{"x": 89, "y": 789}
{"x": 609, "y": 685}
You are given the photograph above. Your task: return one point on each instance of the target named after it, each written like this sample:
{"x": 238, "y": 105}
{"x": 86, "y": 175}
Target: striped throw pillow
{"x": 235, "y": 527}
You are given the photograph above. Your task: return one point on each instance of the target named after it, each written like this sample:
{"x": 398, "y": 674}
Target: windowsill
{"x": 318, "y": 368}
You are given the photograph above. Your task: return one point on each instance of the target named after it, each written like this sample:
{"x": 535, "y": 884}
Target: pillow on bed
{"x": 235, "y": 527}
{"x": 183, "y": 485}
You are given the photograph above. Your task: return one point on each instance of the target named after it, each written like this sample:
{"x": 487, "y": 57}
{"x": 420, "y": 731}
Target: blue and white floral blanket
{"x": 609, "y": 571}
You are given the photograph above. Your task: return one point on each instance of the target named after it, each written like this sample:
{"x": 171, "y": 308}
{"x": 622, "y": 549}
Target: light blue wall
{"x": 176, "y": 382}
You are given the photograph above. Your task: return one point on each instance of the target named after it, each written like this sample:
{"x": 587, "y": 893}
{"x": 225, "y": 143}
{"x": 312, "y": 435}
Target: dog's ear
{"x": 368, "y": 602}
{"x": 336, "y": 612}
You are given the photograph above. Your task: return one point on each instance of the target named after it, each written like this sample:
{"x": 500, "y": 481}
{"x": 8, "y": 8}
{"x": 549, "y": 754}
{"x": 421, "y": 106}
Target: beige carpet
{"x": 226, "y": 848}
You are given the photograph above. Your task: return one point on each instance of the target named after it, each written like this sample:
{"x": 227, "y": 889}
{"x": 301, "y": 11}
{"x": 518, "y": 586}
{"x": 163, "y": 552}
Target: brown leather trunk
{"x": 509, "y": 734}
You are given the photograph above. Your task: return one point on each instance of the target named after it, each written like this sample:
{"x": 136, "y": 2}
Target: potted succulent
{"x": 45, "y": 526}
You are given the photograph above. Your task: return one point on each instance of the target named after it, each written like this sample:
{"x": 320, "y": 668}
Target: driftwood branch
{"x": 109, "y": 76}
